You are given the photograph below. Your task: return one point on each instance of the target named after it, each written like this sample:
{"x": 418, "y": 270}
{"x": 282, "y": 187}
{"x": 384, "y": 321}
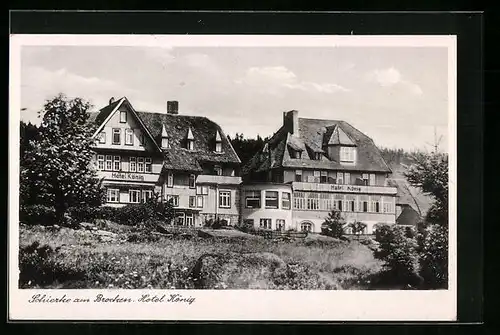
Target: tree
{"x": 58, "y": 163}
{"x": 333, "y": 225}
{"x": 429, "y": 172}
{"x": 357, "y": 227}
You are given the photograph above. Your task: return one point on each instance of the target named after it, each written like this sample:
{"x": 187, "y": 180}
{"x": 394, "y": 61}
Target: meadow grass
{"x": 80, "y": 260}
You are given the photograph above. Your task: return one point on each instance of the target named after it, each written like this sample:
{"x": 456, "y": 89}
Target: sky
{"x": 396, "y": 95}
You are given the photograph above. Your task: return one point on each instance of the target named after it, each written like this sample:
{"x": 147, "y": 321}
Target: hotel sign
{"x": 127, "y": 176}
{"x": 301, "y": 186}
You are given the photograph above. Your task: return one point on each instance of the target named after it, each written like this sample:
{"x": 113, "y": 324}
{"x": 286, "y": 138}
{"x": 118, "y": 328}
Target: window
{"x": 388, "y": 204}
{"x": 298, "y": 175}
{"x": 316, "y": 175}
{"x": 132, "y": 167}
{"x": 146, "y": 195}
{"x": 372, "y": 179}
{"x": 350, "y": 203}
{"x": 280, "y": 224}
{"x": 134, "y": 196}
{"x": 340, "y": 178}
{"x": 375, "y": 204}
{"x": 102, "y": 137}
{"x": 192, "y": 181}
{"x": 189, "y": 220}
{"x": 109, "y": 162}
{"x": 123, "y": 116}
{"x": 324, "y": 177}
{"x": 347, "y": 154}
{"x": 180, "y": 218}
{"x": 129, "y": 137}
{"x": 199, "y": 201}
{"x": 347, "y": 178}
{"x": 285, "y": 200}
{"x": 266, "y": 223}
{"x": 252, "y": 199}
{"x": 170, "y": 179}
{"x": 113, "y": 195}
{"x": 100, "y": 162}
{"x": 271, "y": 199}
{"x": 217, "y": 170}
{"x": 116, "y": 163}
{"x": 312, "y": 201}
{"x": 317, "y": 156}
{"x": 202, "y": 190}
{"x": 190, "y": 144}
{"x": 339, "y": 199}
{"x": 218, "y": 147}
{"x": 164, "y": 142}
{"x": 364, "y": 176}
{"x": 363, "y": 203}
{"x": 117, "y": 136}
{"x": 192, "y": 202}
{"x": 224, "y": 199}
{"x": 306, "y": 226}
{"x": 174, "y": 198}
{"x": 140, "y": 164}
{"x": 147, "y": 165}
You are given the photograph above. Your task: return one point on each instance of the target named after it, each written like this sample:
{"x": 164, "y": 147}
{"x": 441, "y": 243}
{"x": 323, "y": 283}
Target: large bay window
{"x": 252, "y": 199}
{"x": 271, "y": 199}
{"x": 347, "y": 154}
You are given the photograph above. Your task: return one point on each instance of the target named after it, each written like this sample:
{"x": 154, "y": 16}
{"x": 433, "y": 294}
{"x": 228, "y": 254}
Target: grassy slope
{"x": 81, "y": 261}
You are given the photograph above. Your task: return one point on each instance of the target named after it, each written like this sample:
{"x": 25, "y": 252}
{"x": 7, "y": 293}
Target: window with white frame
{"x": 117, "y": 132}
{"x": 164, "y": 142}
{"x": 347, "y": 154}
{"x": 372, "y": 179}
{"x": 192, "y": 202}
{"x": 285, "y": 200}
{"x": 140, "y": 164}
{"x": 306, "y": 226}
{"x": 109, "y": 162}
{"x": 317, "y": 156}
{"x": 217, "y": 170}
{"x": 375, "y": 204}
{"x": 170, "y": 179}
{"x": 113, "y": 195}
{"x": 340, "y": 178}
{"x": 363, "y": 203}
{"x": 201, "y": 189}
{"x": 180, "y": 218}
{"x": 174, "y": 199}
{"x": 146, "y": 195}
{"x": 339, "y": 202}
{"x": 117, "y": 164}
{"x": 129, "y": 137}
{"x": 271, "y": 199}
{"x": 298, "y": 175}
{"x": 189, "y": 220}
{"x": 199, "y": 201}
{"x": 100, "y": 162}
{"x": 252, "y": 199}
{"x": 190, "y": 144}
{"x": 218, "y": 147}
{"x": 280, "y": 224}
{"x": 148, "y": 165}
{"x": 388, "y": 204}
{"x": 102, "y": 137}
{"x": 225, "y": 199}
{"x": 347, "y": 178}
{"x": 365, "y": 179}
{"x": 192, "y": 181}
{"x": 266, "y": 223}
{"x": 350, "y": 201}
{"x": 134, "y": 196}
{"x": 123, "y": 116}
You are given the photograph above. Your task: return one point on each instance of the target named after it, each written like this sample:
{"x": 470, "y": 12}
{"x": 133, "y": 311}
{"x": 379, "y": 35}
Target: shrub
{"x": 333, "y": 225}
{"x": 147, "y": 213}
{"x": 399, "y": 253}
{"x": 434, "y": 256}
{"x": 37, "y": 215}
{"x": 84, "y": 214}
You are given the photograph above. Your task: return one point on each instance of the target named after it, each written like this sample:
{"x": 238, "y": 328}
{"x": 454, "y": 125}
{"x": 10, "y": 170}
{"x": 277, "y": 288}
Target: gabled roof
{"x": 314, "y": 134}
{"x": 408, "y": 217}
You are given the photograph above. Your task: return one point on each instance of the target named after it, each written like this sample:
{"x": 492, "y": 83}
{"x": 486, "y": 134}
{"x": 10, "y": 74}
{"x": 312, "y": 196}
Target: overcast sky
{"x": 396, "y": 95}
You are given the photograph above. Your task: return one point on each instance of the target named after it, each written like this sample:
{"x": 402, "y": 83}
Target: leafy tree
{"x": 357, "y": 227}
{"x": 58, "y": 163}
{"x": 333, "y": 225}
{"x": 246, "y": 148}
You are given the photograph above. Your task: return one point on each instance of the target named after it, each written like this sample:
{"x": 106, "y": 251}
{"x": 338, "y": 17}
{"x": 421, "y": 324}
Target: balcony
{"x": 218, "y": 180}
{"x": 335, "y": 188}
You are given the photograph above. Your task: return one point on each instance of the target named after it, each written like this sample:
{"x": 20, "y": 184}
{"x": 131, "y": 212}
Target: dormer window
{"x": 295, "y": 154}
{"x": 347, "y": 154}
{"x": 164, "y": 138}
{"x": 190, "y": 140}
{"x": 218, "y": 142}
{"x": 317, "y": 156}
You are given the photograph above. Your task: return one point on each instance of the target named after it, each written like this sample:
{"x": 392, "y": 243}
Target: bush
{"x": 37, "y": 215}
{"x": 333, "y": 225}
{"x": 147, "y": 213}
{"x": 84, "y": 214}
{"x": 399, "y": 253}
{"x": 434, "y": 257}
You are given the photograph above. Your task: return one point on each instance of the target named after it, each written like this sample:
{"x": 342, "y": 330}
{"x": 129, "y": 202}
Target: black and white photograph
{"x": 175, "y": 166}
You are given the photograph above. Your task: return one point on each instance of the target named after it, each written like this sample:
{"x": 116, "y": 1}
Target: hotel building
{"x": 185, "y": 159}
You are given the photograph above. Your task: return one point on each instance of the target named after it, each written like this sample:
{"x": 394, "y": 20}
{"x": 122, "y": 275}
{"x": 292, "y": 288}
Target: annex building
{"x": 308, "y": 168}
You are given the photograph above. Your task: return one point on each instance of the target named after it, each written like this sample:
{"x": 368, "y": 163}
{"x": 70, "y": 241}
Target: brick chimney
{"x": 173, "y": 107}
{"x": 291, "y": 121}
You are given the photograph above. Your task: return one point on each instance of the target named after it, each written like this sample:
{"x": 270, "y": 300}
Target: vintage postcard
{"x": 214, "y": 177}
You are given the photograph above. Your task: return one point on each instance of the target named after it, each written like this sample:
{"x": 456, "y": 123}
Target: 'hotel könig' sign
{"x": 127, "y": 176}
